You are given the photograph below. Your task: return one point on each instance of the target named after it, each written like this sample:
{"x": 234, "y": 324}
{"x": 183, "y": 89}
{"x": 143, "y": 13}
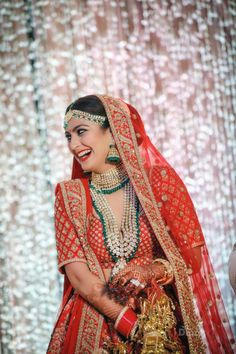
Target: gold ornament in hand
{"x": 156, "y": 325}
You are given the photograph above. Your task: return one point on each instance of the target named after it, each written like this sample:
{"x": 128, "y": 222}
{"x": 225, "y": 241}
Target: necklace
{"x": 110, "y": 181}
{"x": 121, "y": 243}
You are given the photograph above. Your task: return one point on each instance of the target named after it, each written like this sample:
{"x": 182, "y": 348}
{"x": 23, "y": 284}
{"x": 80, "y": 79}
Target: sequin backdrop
{"x": 174, "y": 60}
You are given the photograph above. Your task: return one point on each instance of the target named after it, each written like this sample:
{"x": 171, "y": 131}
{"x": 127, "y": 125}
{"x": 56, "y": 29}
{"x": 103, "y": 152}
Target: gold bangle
{"x": 168, "y": 275}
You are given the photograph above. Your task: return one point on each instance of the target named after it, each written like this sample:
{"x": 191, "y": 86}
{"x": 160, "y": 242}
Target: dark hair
{"x": 90, "y": 104}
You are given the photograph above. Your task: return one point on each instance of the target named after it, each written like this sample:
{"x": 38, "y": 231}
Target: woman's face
{"x": 89, "y": 143}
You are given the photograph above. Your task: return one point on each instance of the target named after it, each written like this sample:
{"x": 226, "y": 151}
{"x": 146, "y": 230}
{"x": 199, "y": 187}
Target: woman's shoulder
{"x": 71, "y": 185}
{"x": 72, "y": 195}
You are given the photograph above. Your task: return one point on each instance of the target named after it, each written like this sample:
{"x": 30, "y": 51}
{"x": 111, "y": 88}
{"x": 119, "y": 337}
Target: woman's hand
{"x": 139, "y": 277}
{"x": 129, "y": 283}
{"x": 133, "y": 278}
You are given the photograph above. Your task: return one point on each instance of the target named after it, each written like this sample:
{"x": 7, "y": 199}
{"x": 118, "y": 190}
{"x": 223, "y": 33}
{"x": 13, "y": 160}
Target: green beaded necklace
{"x": 109, "y": 190}
{"x": 123, "y": 243}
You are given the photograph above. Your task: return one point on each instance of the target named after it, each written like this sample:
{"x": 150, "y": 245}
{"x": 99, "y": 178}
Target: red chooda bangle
{"x": 125, "y": 321}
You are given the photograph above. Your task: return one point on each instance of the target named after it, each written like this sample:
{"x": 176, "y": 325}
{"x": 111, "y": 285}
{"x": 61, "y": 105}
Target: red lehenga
{"x": 169, "y": 229}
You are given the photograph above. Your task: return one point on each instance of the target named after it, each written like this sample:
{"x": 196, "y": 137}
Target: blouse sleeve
{"x": 68, "y": 246}
{"x": 176, "y": 206}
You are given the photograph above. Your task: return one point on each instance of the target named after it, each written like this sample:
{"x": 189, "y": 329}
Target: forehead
{"x": 74, "y": 122}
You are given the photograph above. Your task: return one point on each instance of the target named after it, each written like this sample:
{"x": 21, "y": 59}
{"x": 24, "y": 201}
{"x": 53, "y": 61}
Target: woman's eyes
{"x": 68, "y": 137}
{"x": 78, "y": 131}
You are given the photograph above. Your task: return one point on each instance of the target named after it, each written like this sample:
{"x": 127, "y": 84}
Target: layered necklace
{"x": 121, "y": 243}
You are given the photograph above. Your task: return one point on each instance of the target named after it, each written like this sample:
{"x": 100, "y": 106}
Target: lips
{"x": 84, "y": 154}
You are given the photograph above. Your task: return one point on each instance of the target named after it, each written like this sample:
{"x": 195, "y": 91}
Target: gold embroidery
{"x": 89, "y": 333}
{"x": 70, "y": 261}
{"x": 163, "y": 173}
{"x": 120, "y": 119}
{"x": 164, "y": 198}
{"x": 58, "y": 336}
{"x": 75, "y": 201}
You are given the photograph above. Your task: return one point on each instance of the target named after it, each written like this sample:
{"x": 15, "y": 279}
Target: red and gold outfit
{"x": 169, "y": 229}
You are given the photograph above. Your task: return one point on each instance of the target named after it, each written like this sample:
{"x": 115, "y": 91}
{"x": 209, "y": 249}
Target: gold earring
{"x": 113, "y": 155}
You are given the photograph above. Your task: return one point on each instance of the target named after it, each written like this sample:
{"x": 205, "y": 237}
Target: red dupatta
{"x": 173, "y": 219}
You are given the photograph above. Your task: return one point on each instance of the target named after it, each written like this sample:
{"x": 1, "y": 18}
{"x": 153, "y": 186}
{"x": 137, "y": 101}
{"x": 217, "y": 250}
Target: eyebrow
{"x": 77, "y": 126}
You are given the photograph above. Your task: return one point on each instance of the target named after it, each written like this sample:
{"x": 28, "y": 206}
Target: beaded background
{"x": 174, "y": 61}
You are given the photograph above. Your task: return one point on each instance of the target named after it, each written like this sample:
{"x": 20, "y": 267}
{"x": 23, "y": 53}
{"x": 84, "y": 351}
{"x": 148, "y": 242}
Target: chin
{"x": 98, "y": 168}
{"x": 88, "y": 168}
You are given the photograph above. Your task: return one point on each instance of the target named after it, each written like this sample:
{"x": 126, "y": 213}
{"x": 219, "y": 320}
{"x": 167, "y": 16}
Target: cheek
{"x": 107, "y": 138}
{"x": 105, "y": 143}
{"x": 98, "y": 141}
{"x": 69, "y": 147}
{"x": 101, "y": 141}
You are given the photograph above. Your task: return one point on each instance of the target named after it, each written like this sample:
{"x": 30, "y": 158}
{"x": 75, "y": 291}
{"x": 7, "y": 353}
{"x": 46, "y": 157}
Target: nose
{"x": 75, "y": 142}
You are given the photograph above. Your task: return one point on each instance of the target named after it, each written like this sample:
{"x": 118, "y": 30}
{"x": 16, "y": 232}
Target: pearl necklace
{"x": 121, "y": 243}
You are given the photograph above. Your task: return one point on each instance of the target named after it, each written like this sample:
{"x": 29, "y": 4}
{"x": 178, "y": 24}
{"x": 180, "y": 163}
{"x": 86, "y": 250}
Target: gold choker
{"x": 110, "y": 181}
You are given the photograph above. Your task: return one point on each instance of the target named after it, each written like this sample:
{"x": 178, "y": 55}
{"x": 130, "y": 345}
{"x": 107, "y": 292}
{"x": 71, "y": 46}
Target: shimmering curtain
{"x": 174, "y": 60}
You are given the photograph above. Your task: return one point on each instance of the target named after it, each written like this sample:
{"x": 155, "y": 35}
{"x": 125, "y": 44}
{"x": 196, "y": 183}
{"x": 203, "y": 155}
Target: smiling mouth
{"x": 84, "y": 155}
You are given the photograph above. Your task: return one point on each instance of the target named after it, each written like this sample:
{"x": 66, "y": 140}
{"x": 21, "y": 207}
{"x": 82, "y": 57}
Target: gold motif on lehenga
{"x": 90, "y": 328}
{"x": 58, "y": 336}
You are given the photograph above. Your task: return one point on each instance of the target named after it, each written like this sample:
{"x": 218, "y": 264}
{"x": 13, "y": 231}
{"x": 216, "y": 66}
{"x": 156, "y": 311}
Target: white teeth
{"x": 83, "y": 153}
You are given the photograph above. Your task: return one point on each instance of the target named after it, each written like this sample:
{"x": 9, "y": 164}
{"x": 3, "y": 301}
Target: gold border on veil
{"x": 124, "y": 135}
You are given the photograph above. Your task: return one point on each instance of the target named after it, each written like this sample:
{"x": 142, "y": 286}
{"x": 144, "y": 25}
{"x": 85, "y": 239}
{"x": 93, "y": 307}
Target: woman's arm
{"x": 91, "y": 288}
